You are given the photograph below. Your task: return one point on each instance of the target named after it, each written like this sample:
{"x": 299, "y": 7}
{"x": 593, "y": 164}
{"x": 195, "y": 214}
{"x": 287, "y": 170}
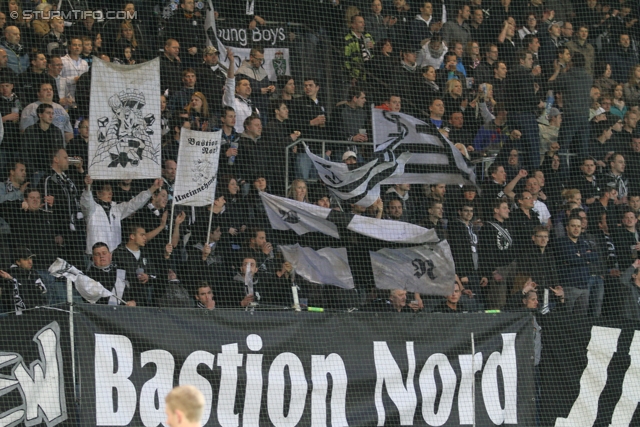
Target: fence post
{"x": 72, "y": 335}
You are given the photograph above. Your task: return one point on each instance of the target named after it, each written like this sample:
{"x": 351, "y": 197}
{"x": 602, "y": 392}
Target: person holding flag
{"x": 104, "y": 216}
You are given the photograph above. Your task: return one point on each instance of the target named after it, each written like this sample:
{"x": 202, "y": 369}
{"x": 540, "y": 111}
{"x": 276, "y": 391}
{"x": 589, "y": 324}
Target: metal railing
{"x": 302, "y": 141}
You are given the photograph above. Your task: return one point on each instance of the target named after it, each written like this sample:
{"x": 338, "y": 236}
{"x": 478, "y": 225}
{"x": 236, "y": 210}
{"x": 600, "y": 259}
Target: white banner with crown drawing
{"x": 124, "y": 136}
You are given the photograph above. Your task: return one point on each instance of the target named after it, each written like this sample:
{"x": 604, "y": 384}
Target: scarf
{"x": 9, "y": 186}
{"x": 436, "y": 53}
{"x": 16, "y": 48}
{"x": 411, "y": 68}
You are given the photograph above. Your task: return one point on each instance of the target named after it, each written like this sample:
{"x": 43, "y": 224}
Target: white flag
{"x": 287, "y": 214}
{"x": 89, "y": 289}
{"x": 197, "y": 169}
{"x": 434, "y": 159}
{"x": 427, "y": 269}
{"x": 327, "y": 266}
{"x": 276, "y": 60}
{"x": 124, "y": 137}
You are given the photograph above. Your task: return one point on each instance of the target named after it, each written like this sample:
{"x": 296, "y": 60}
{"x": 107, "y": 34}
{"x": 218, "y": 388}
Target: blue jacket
{"x": 575, "y": 258}
{"x": 18, "y": 61}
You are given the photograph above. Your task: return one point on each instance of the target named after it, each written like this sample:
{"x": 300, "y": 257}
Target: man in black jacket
{"x": 29, "y": 82}
{"x": 522, "y": 221}
{"x": 170, "y": 68}
{"x": 211, "y": 79}
{"x": 496, "y": 256}
{"x": 464, "y": 246}
{"x": 538, "y": 259}
{"x": 575, "y": 85}
{"x": 22, "y": 287}
{"x": 143, "y": 275}
{"x": 524, "y": 100}
{"x": 104, "y": 271}
{"x": 38, "y": 141}
{"x": 310, "y": 118}
{"x": 188, "y": 29}
{"x": 627, "y": 239}
{"x": 66, "y": 213}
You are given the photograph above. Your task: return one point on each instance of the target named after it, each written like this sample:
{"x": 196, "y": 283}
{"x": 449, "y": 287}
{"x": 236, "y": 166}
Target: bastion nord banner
{"x": 306, "y": 369}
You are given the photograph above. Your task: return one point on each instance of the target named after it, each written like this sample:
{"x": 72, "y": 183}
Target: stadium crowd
{"x": 551, "y": 89}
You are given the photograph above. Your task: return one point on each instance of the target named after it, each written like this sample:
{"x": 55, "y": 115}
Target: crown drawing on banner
{"x": 132, "y": 97}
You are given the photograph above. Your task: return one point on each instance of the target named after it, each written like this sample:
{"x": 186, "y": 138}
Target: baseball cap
{"x": 210, "y": 50}
{"x": 348, "y": 154}
{"x": 554, "y": 112}
{"x": 24, "y": 253}
{"x": 558, "y": 23}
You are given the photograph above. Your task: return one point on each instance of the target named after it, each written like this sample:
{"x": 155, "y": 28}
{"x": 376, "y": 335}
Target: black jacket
{"x": 25, "y": 291}
{"x": 540, "y": 265}
{"x": 144, "y": 293}
{"x": 520, "y": 92}
{"x": 463, "y": 244}
{"x": 28, "y": 86}
{"x": 496, "y": 247}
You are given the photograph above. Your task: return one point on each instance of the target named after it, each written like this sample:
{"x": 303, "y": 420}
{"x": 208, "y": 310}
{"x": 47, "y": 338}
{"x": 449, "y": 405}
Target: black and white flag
{"x": 288, "y": 214}
{"x": 197, "y": 168}
{"x": 327, "y": 266}
{"x": 124, "y": 141}
{"x": 360, "y": 186}
{"x": 426, "y": 269}
{"x": 434, "y": 159}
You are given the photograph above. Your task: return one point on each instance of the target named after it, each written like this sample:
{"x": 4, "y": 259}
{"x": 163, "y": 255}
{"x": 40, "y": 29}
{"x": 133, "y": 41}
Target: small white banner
{"x": 197, "y": 169}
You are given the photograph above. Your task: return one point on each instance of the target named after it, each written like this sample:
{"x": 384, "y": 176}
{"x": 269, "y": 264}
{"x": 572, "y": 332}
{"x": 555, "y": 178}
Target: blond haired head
{"x": 184, "y": 406}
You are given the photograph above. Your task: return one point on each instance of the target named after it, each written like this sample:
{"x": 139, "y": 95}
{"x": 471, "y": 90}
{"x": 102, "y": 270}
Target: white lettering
{"x": 275, "y": 390}
{"x": 628, "y": 402}
{"x": 490, "y": 388}
{"x": 157, "y": 387}
{"x": 602, "y": 345}
{"x": 229, "y": 361}
{"x": 42, "y": 388}
{"x": 189, "y": 376}
{"x": 253, "y": 393}
{"x": 429, "y": 389}
{"x": 108, "y": 412}
{"x": 387, "y": 370}
{"x": 468, "y": 367}
{"x": 320, "y": 367}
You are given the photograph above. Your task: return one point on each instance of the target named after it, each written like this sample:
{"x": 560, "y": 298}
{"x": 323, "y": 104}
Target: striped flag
{"x": 434, "y": 159}
{"x": 362, "y": 185}
{"x": 408, "y": 151}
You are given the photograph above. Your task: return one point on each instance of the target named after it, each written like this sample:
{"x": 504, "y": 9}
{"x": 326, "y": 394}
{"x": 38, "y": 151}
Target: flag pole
{"x": 173, "y": 205}
{"x": 210, "y": 219}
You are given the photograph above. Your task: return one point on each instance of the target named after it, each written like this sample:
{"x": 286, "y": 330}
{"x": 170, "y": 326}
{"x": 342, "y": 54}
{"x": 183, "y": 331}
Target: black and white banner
{"x": 288, "y": 214}
{"x": 341, "y": 369}
{"x": 197, "y": 168}
{"x": 305, "y": 369}
{"x": 327, "y": 266}
{"x": 124, "y": 141}
{"x": 426, "y": 269}
{"x": 590, "y": 371}
{"x": 434, "y": 159}
{"x": 276, "y": 59}
{"x": 36, "y": 381}
{"x": 360, "y": 186}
